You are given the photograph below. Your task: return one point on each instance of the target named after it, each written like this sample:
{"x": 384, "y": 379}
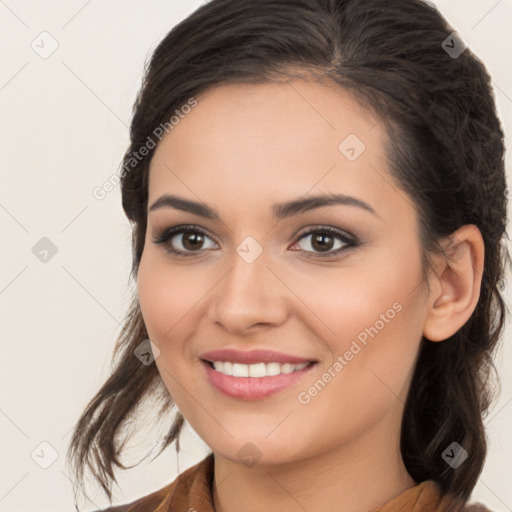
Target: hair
{"x": 445, "y": 149}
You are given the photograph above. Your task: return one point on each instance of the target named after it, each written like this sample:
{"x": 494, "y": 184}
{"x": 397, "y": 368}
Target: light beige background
{"x": 63, "y": 130}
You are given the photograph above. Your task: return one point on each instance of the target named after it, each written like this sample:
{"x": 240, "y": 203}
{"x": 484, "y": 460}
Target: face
{"x": 337, "y": 285}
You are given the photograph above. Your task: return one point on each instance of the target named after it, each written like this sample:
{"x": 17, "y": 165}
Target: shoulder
{"x": 149, "y": 502}
{"x": 427, "y": 496}
{"x": 192, "y": 483}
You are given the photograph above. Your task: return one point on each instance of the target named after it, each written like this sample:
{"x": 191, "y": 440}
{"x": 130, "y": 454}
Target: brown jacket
{"x": 191, "y": 492}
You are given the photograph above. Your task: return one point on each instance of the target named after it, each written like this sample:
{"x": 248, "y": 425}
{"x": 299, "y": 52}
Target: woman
{"x": 318, "y": 200}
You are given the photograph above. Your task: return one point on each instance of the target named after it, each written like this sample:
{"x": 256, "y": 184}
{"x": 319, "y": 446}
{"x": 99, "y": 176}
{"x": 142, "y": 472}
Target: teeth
{"x": 257, "y": 369}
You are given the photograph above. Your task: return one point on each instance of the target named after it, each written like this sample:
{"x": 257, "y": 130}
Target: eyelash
{"x": 164, "y": 235}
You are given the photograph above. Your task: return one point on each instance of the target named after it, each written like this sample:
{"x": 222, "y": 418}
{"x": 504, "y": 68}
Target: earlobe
{"x": 458, "y": 278}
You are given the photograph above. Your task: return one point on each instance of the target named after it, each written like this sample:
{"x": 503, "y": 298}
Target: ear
{"x": 455, "y": 284}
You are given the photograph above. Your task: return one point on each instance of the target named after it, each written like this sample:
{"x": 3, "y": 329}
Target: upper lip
{"x": 252, "y": 356}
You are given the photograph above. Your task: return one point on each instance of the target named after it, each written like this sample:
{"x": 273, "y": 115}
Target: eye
{"x": 187, "y": 241}
{"x": 322, "y": 241}
{"x": 181, "y": 240}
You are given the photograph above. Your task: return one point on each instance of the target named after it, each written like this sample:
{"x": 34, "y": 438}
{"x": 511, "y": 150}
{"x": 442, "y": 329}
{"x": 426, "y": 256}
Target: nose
{"x": 249, "y": 297}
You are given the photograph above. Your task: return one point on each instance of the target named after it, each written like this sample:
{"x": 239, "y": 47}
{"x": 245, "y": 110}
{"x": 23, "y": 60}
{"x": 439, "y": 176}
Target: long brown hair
{"x": 446, "y": 150}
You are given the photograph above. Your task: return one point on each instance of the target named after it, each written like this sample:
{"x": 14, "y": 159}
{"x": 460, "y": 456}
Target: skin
{"x": 240, "y": 150}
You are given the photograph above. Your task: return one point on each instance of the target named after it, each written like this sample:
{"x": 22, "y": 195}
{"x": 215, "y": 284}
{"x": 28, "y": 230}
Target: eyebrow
{"x": 280, "y": 210}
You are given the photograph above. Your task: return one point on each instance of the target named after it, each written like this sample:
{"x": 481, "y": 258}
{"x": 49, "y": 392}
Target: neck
{"x": 355, "y": 477}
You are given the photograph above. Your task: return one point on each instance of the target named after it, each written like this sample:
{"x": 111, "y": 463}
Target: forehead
{"x": 271, "y": 139}
{"x": 295, "y": 111}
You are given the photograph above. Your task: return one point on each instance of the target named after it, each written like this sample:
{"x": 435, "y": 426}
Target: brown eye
{"x": 184, "y": 241}
{"x": 326, "y": 240}
{"x": 192, "y": 241}
{"x": 322, "y": 242}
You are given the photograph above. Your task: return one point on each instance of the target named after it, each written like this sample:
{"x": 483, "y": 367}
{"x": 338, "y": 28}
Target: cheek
{"x": 169, "y": 299}
{"x": 342, "y": 303}
{"x": 378, "y": 317}
{"x": 382, "y": 294}
{"x": 168, "y": 296}
{"x": 371, "y": 316}
{"x": 373, "y": 354}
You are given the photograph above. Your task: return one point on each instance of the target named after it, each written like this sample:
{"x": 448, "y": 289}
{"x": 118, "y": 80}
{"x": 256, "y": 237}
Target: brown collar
{"x": 192, "y": 491}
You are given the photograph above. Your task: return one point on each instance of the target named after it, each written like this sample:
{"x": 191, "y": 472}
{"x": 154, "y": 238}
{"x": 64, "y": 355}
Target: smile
{"x": 257, "y": 369}
{"x": 254, "y": 381}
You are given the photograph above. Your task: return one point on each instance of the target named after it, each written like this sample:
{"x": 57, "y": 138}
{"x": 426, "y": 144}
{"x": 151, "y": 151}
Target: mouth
{"x": 254, "y": 381}
{"x": 256, "y": 370}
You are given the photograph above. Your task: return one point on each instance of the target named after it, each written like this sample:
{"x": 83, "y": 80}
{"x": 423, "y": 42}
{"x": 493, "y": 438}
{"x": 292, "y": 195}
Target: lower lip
{"x": 253, "y": 388}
